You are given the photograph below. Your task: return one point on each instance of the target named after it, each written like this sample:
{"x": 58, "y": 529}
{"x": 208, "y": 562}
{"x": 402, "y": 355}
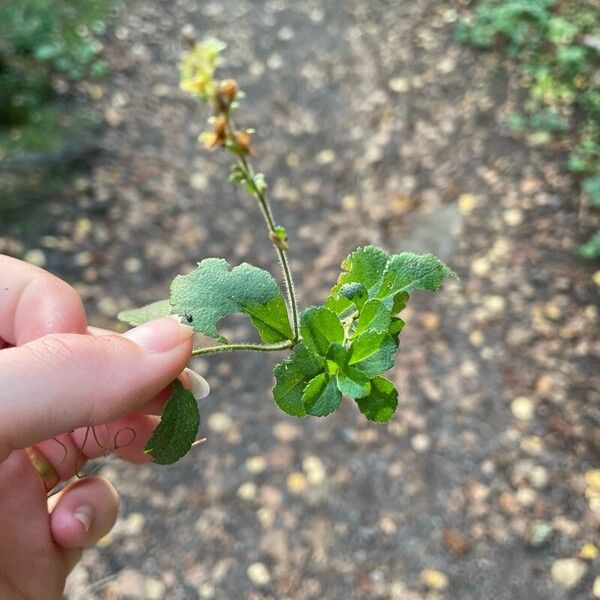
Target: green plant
{"x": 556, "y": 45}
{"x": 42, "y": 42}
{"x": 340, "y": 348}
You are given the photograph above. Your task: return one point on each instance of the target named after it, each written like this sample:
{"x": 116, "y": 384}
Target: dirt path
{"x": 372, "y": 127}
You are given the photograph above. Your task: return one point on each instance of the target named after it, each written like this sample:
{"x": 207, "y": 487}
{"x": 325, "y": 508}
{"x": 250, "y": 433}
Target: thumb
{"x": 59, "y": 382}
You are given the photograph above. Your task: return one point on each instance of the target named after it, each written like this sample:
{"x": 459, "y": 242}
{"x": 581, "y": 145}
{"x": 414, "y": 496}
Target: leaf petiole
{"x": 243, "y": 347}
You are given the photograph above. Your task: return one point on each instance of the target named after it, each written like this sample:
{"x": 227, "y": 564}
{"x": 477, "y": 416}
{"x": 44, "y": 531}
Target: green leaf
{"x": 355, "y": 292}
{"x": 365, "y": 266}
{"x": 380, "y": 405}
{"x": 139, "y": 316}
{"x": 211, "y": 292}
{"x": 177, "y": 429}
{"x": 372, "y": 353}
{"x": 407, "y": 271}
{"x": 353, "y": 383}
{"x": 374, "y": 316}
{"x": 319, "y": 328}
{"x": 292, "y": 376}
{"x": 321, "y": 396}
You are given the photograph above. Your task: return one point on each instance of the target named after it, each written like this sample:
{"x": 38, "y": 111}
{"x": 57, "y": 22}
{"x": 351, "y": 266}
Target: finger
{"x": 34, "y": 303}
{"x": 83, "y": 513}
{"x": 81, "y": 380}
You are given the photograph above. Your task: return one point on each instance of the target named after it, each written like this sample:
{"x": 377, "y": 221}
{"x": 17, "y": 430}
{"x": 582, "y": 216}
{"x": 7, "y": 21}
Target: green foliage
{"x": 177, "y": 429}
{"x": 40, "y": 41}
{"x": 211, "y": 292}
{"x": 338, "y": 349}
{"x": 556, "y": 46}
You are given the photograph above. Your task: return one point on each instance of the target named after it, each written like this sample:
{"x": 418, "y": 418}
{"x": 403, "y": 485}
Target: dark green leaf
{"x": 372, "y": 353}
{"x": 380, "y": 405}
{"x": 353, "y": 383}
{"x": 177, "y": 429}
{"x": 319, "y": 328}
{"x": 211, "y": 292}
{"x": 374, "y": 316}
{"x": 139, "y": 316}
{"x": 364, "y": 266}
{"x": 292, "y": 376}
{"x": 321, "y": 396}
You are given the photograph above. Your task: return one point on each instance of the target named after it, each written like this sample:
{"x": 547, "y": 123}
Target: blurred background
{"x": 469, "y": 129}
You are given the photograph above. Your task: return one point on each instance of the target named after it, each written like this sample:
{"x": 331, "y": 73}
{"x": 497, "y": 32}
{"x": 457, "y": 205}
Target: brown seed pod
{"x": 243, "y": 141}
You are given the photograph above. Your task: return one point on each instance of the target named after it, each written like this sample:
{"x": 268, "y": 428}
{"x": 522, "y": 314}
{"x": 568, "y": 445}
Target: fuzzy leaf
{"x": 355, "y": 292}
{"x": 178, "y": 427}
{"x": 139, "y": 316}
{"x": 292, "y": 376}
{"x": 372, "y": 353}
{"x": 407, "y": 271}
{"x": 374, "y": 316}
{"x": 364, "y": 266}
{"x": 380, "y": 405}
{"x": 321, "y": 396}
{"x": 319, "y": 328}
{"x": 211, "y": 292}
{"x": 351, "y": 382}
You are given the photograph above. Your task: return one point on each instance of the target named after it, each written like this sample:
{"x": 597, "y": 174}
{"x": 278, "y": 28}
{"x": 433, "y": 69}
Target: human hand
{"x": 60, "y": 380}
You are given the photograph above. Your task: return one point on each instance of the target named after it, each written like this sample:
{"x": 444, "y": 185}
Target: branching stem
{"x": 243, "y": 347}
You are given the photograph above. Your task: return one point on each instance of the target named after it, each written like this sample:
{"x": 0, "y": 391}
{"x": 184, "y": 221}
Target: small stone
{"x": 476, "y": 338}
{"x": 567, "y": 572}
{"x": 256, "y": 464}
{"x": 592, "y": 480}
{"x": 588, "y": 551}
{"x": 219, "y": 422}
{"x": 297, "y": 482}
{"x": 434, "y": 579}
{"x": 513, "y": 217}
{"x": 155, "y": 589}
{"x": 481, "y": 266}
{"x": 397, "y": 590}
{"x": 539, "y": 533}
{"x": 326, "y": 156}
{"x": 466, "y": 203}
{"x": 420, "y": 443}
{"x": 431, "y": 321}
{"x": 494, "y": 304}
{"x": 258, "y": 574}
{"x": 315, "y": 470}
{"x": 596, "y": 278}
{"x": 523, "y": 408}
{"x": 286, "y": 432}
{"x": 455, "y": 541}
{"x": 538, "y": 477}
{"x": 198, "y": 181}
{"x": 399, "y": 85}
{"x": 247, "y": 491}
{"x": 596, "y": 588}
{"x": 35, "y": 257}
{"x": 387, "y": 525}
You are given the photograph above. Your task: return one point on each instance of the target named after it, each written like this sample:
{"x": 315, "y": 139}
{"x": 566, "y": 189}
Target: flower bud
{"x": 228, "y": 90}
{"x": 243, "y": 140}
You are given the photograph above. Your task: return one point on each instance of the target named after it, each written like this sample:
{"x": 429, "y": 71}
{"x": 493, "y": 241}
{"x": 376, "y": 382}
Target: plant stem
{"x": 271, "y": 226}
{"x": 243, "y": 347}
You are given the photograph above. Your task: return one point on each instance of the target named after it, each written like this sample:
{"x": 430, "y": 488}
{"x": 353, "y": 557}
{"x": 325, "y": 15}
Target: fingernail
{"x": 160, "y": 335}
{"x": 198, "y": 384}
{"x": 84, "y": 515}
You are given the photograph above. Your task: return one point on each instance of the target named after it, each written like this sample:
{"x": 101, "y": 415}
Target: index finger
{"x": 34, "y": 303}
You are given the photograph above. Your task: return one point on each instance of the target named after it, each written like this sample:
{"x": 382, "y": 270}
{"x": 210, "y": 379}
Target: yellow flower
{"x": 197, "y": 69}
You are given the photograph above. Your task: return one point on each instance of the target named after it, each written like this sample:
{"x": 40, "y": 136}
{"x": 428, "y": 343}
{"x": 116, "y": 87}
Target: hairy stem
{"x": 283, "y": 260}
{"x": 243, "y": 347}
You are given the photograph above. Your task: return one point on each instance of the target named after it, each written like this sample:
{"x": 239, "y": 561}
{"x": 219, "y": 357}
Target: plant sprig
{"x": 338, "y": 349}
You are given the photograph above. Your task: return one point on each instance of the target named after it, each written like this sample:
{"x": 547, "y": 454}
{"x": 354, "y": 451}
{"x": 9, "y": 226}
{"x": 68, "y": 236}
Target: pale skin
{"x": 58, "y": 377}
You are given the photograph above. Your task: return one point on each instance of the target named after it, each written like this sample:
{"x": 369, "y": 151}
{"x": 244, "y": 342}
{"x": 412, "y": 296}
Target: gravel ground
{"x": 372, "y": 127}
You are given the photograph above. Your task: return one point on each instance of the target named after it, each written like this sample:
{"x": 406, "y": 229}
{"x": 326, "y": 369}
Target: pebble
{"x": 155, "y": 589}
{"x": 420, "y": 443}
{"x": 455, "y": 541}
{"x": 219, "y": 422}
{"x": 538, "y": 477}
{"x": 596, "y": 588}
{"x": 481, "y": 266}
{"x": 399, "y": 85}
{"x": 540, "y": 533}
{"x": 315, "y": 470}
{"x": 247, "y": 491}
{"x": 434, "y": 579}
{"x": 513, "y": 216}
{"x": 523, "y": 408}
{"x": 567, "y": 572}
{"x": 258, "y": 574}
{"x": 596, "y": 278}
{"x": 326, "y": 156}
{"x": 256, "y": 464}
{"x": 35, "y": 257}
{"x": 297, "y": 482}
{"x": 466, "y": 203}
{"x": 285, "y": 431}
{"x": 588, "y": 551}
